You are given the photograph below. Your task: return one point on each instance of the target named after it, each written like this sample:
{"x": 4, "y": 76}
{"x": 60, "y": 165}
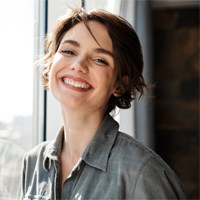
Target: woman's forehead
{"x": 93, "y": 30}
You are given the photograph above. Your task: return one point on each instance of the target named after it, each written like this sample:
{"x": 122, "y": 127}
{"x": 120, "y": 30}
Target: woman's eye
{"x": 101, "y": 61}
{"x": 68, "y": 52}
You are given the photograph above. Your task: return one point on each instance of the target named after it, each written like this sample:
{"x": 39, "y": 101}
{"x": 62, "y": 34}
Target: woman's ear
{"x": 117, "y": 92}
{"x": 120, "y": 89}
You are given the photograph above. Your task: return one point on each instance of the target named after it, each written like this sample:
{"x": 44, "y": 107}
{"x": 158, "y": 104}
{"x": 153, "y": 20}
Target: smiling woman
{"x": 91, "y": 68}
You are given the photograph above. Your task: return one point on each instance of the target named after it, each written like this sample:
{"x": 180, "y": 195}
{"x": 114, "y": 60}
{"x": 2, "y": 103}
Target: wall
{"x": 176, "y": 56}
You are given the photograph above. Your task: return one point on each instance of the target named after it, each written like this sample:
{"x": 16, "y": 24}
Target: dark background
{"x": 176, "y": 66}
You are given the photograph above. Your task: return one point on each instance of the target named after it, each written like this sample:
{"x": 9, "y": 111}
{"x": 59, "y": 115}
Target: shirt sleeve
{"x": 156, "y": 180}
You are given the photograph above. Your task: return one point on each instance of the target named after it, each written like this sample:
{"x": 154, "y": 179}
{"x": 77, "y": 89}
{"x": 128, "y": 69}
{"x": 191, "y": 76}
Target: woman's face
{"x": 83, "y": 74}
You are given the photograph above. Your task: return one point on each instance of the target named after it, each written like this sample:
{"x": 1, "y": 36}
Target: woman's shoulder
{"x": 135, "y": 153}
{"x": 148, "y": 170}
{"x": 132, "y": 146}
{"x": 37, "y": 151}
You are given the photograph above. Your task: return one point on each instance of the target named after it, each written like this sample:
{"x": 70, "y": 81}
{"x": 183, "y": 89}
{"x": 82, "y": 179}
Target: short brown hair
{"x": 128, "y": 58}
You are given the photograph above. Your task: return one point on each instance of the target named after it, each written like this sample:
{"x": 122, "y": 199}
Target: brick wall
{"x": 176, "y": 63}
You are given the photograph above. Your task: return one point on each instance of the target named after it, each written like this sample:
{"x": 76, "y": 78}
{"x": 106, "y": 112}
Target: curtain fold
{"x": 139, "y": 119}
{"x": 144, "y": 109}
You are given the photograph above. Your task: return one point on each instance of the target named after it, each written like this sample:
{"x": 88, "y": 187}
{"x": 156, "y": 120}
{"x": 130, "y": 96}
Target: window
{"x": 16, "y": 87}
{"x": 16, "y": 76}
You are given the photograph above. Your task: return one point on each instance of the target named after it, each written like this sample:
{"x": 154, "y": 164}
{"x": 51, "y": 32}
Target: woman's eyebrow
{"x": 104, "y": 51}
{"x": 72, "y": 42}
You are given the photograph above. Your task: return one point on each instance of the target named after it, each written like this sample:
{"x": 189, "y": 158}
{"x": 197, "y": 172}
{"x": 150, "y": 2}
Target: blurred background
{"x": 166, "y": 121}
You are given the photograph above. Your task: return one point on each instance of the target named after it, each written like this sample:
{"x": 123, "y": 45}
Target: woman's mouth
{"x": 76, "y": 83}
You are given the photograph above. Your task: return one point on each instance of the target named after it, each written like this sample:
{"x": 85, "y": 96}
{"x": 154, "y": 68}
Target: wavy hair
{"x": 128, "y": 58}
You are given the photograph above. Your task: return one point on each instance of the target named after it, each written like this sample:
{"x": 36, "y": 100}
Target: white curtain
{"x": 138, "y": 121}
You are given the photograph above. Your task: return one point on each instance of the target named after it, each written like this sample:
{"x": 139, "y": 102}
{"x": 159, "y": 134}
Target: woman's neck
{"x": 79, "y": 129}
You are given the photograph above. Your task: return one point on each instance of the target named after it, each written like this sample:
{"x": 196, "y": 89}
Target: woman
{"x": 93, "y": 63}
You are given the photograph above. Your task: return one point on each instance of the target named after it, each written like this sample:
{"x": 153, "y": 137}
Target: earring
{"x": 117, "y": 92}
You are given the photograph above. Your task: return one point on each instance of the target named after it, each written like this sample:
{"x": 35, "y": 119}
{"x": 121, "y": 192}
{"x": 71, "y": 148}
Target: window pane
{"x": 16, "y": 87}
{"x": 16, "y": 70}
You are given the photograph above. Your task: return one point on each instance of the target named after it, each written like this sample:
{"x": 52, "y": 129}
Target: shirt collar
{"x": 53, "y": 150}
{"x": 97, "y": 152}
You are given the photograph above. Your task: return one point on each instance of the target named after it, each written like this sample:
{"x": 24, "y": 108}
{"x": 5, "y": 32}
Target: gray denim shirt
{"x": 113, "y": 166}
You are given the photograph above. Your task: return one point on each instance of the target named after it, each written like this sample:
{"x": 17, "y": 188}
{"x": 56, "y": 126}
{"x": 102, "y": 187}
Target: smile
{"x": 76, "y": 84}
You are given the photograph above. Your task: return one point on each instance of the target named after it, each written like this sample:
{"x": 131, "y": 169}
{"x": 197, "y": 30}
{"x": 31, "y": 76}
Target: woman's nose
{"x": 80, "y": 65}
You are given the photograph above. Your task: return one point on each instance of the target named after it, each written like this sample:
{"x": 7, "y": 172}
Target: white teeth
{"x": 76, "y": 83}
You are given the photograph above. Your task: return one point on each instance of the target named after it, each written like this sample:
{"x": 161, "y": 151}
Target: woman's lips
{"x": 76, "y": 82}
